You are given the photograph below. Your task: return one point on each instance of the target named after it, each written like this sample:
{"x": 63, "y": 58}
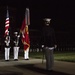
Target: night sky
{"x": 62, "y": 13}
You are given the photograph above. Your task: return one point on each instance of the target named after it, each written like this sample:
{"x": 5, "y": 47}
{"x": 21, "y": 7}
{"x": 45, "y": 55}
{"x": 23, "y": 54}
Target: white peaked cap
{"x": 7, "y": 32}
{"x": 47, "y": 19}
{"x": 15, "y": 32}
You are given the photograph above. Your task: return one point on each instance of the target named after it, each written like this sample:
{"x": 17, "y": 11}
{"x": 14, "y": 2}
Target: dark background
{"x": 62, "y": 13}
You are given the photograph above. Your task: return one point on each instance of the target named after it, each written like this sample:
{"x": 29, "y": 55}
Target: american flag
{"x": 7, "y": 23}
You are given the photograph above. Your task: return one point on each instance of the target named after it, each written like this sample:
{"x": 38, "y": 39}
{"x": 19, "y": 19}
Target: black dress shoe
{"x": 6, "y": 60}
{"x": 50, "y": 70}
{"x": 26, "y": 59}
{"x": 15, "y": 59}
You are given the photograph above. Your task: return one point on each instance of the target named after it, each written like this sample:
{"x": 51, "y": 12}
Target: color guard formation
{"x": 16, "y": 37}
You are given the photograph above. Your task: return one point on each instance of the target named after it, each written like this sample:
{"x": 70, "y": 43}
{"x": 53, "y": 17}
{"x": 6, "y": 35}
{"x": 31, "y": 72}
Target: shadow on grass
{"x": 10, "y": 73}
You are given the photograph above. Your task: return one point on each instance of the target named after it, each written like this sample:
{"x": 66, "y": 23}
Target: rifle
{"x": 43, "y": 57}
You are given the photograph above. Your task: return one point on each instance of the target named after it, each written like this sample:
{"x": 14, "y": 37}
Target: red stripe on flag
{"x": 7, "y": 23}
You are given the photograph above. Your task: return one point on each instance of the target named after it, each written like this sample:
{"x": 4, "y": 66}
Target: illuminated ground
{"x": 34, "y": 67}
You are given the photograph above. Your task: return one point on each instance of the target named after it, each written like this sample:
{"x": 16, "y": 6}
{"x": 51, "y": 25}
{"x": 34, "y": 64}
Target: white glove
{"x": 18, "y": 36}
{"x": 55, "y": 46}
{"x": 23, "y": 36}
{"x": 42, "y": 46}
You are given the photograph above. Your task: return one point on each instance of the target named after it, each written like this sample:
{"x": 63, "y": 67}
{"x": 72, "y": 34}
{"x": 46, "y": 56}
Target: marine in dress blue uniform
{"x": 7, "y": 47}
{"x": 16, "y": 45}
{"x": 49, "y": 43}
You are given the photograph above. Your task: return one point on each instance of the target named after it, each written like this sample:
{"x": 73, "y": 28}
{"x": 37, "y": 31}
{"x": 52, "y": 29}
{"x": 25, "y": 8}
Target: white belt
{"x": 51, "y": 48}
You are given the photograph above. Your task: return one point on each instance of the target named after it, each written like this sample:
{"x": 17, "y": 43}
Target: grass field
{"x": 68, "y": 56}
{"x": 65, "y": 56}
{"x": 60, "y": 56}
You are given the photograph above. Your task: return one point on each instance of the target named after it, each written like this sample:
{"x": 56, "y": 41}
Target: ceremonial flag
{"x": 24, "y": 30}
{"x": 7, "y": 23}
